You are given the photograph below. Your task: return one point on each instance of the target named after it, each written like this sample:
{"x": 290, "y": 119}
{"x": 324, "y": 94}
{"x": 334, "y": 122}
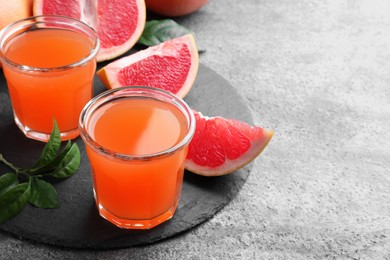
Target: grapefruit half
{"x": 119, "y": 23}
{"x": 171, "y": 65}
{"x": 221, "y": 146}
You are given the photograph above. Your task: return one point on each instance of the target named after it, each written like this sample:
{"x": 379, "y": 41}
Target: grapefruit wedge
{"x": 221, "y": 146}
{"x": 119, "y": 23}
{"x": 171, "y": 65}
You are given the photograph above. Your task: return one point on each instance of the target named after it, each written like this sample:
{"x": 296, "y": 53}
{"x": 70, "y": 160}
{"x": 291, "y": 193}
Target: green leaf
{"x": 7, "y": 181}
{"x": 14, "y": 196}
{"x": 43, "y": 194}
{"x": 51, "y": 148}
{"x": 51, "y": 165}
{"x": 158, "y": 31}
{"x": 13, "y": 201}
{"x": 69, "y": 164}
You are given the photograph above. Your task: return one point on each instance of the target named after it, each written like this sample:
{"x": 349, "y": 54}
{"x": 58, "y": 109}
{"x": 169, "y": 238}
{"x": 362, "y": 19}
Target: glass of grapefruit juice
{"x": 49, "y": 63}
{"x": 136, "y": 141}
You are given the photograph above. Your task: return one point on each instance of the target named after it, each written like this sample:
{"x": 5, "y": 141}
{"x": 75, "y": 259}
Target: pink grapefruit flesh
{"x": 221, "y": 146}
{"x": 119, "y": 23}
{"x": 171, "y": 65}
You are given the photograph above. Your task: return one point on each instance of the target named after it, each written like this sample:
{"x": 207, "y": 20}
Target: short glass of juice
{"x": 136, "y": 141}
{"x": 49, "y": 63}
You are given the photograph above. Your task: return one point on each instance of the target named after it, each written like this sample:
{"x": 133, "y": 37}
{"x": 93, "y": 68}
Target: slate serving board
{"x": 77, "y": 224}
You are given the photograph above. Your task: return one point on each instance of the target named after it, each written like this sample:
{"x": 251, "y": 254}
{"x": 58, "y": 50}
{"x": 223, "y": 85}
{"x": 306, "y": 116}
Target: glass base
{"x": 44, "y": 137}
{"x": 137, "y": 223}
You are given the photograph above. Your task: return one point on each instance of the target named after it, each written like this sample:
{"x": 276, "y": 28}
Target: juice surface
{"x": 48, "y": 48}
{"x": 38, "y": 97}
{"x": 137, "y": 189}
{"x": 137, "y": 126}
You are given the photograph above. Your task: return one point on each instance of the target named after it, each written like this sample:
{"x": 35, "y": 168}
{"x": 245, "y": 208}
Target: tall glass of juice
{"x": 136, "y": 141}
{"x": 49, "y": 64}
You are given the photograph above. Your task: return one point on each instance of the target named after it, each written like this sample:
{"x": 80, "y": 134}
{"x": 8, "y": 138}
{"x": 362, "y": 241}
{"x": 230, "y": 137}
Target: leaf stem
{"x": 10, "y": 165}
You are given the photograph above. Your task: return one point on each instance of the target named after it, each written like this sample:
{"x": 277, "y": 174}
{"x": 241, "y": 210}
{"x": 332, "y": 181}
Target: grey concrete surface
{"x": 318, "y": 73}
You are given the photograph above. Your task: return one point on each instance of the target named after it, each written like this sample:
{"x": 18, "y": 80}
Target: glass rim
{"x": 53, "y": 20}
{"x": 154, "y": 93}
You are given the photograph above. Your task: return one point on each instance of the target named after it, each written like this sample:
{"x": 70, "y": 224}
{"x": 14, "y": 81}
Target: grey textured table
{"x": 318, "y": 73}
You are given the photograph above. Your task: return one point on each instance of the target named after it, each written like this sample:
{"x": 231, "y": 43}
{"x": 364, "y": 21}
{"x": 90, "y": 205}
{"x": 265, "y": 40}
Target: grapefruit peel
{"x": 12, "y": 11}
{"x": 221, "y": 146}
{"x": 111, "y": 75}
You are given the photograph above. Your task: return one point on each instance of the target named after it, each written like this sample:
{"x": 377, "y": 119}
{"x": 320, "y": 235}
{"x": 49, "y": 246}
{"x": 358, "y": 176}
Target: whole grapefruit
{"x": 174, "y": 7}
{"x": 171, "y": 65}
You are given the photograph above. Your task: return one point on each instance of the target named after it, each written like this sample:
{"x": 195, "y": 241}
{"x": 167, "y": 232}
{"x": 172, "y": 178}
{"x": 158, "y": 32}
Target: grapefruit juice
{"x": 136, "y": 146}
{"x": 49, "y": 72}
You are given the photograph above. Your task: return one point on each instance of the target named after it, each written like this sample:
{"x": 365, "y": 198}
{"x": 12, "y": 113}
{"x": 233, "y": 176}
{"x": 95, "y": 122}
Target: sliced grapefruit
{"x": 221, "y": 146}
{"x": 171, "y": 65}
{"x": 119, "y": 23}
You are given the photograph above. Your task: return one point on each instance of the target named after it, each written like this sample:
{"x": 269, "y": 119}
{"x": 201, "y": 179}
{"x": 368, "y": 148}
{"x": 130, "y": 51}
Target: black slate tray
{"x": 77, "y": 224}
